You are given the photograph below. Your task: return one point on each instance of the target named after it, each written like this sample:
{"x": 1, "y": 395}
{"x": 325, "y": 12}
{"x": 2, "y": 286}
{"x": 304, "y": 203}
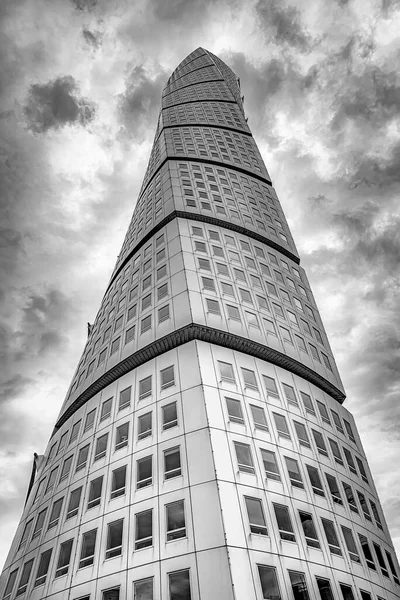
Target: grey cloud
{"x": 55, "y": 104}
{"x": 93, "y": 38}
{"x": 84, "y": 5}
{"x": 13, "y": 386}
{"x": 284, "y": 22}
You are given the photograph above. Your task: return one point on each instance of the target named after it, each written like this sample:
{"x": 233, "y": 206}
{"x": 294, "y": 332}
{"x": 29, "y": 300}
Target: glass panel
{"x": 106, "y": 409}
{"x": 74, "y": 501}
{"x": 144, "y": 472}
{"x": 270, "y": 385}
{"x": 294, "y": 472}
{"x": 319, "y": 442}
{"x": 55, "y": 513}
{"x": 25, "y": 535}
{"x": 270, "y": 465}
{"x": 118, "y": 482}
{"x": 167, "y": 377}
{"x": 244, "y": 459}
{"x": 101, "y": 447}
{"x": 290, "y": 394}
{"x": 284, "y": 523}
{"x": 145, "y": 387}
{"x": 88, "y": 548}
{"x": 234, "y": 410}
{"x": 122, "y": 436}
{"x": 310, "y": 532}
{"x": 82, "y": 458}
{"x": 367, "y": 551}
{"x": 10, "y": 584}
{"x": 95, "y": 492}
{"x": 308, "y": 405}
{"x": 299, "y": 586}
{"x": 175, "y": 521}
{"x": 169, "y": 415}
{"x": 64, "y": 558}
{"x": 144, "y": 426}
{"x": 334, "y": 488}
{"x": 143, "y": 590}
{"x": 347, "y": 592}
{"x": 179, "y": 585}
{"x": 172, "y": 463}
{"x": 23, "y": 582}
{"x": 260, "y": 421}
{"x": 226, "y": 371}
{"x": 249, "y": 379}
{"x": 324, "y": 588}
{"x": 269, "y": 583}
{"x": 381, "y": 560}
{"x": 302, "y": 435}
{"x": 256, "y": 516}
{"x": 144, "y": 530}
{"x": 350, "y": 544}
{"x": 281, "y": 425}
{"x": 331, "y": 537}
{"x": 125, "y": 398}
{"x": 43, "y": 567}
{"x": 114, "y": 539}
{"x": 315, "y": 480}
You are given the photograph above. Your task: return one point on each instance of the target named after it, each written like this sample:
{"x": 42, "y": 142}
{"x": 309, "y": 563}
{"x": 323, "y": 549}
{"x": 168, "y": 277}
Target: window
{"x": 145, "y": 324}
{"x": 52, "y": 453}
{"x": 281, "y": 426}
{"x": 24, "y": 580}
{"x": 350, "y": 544}
{"x": 145, "y": 387}
{"x": 115, "y": 346}
{"x": 96, "y": 486}
{"x": 114, "y": 539}
{"x": 323, "y": 412}
{"x": 208, "y": 283}
{"x": 290, "y": 394}
{"x": 259, "y": 418}
{"x": 270, "y": 465}
{"x": 324, "y": 588}
{"x": 364, "y": 506}
{"x": 302, "y": 434}
{"x": 144, "y": 530}
{"x": 102, "y": 356}
{"x": 132, "y": 312}
{"x": 89, "y": 420}
{"x": 319, "y": 442}
{"x": 82, "y": 458}
{"x": 249, "y": 379}
{"x": 331, "y": 537}
{"x": 144, "y": 426}
{"x": 25, "y": 535}
{"x": 234, "y": 410}
{"x": 213, "y": 306}
{"x": 294, "y": 472}
{"x": 337, "y": 421}
{"x": 315, "y": 480}
{"x": 162, "y": 291}
{"x": 169, "y": 416}
{"x": 39, "y": 490}
{"x": 167, "y": 377}
{"x": 286, "y": 334}
{"x": 64, "y": 558}
{"x": 335, "y": 451}
{"x": 392, "y": 567}
{"x": 87, "y": 548}
{"x": 334, "y": 489}
{"x": 308, "y": 405}
{"x": 144, "y": 472}
{"x": 73, "y": 504}
{"x": 163, "y": 313}
{"x": 75, "y": 431}
{"x": 227, "y": 289}
{"x": 122, "y": 436}
{"x": 125, "y": 398}
{"x": 101, "y": 447}
{"x": 365, "y": 595}
{"x": 51, "y": 480}
{"x": 110, "y": 594}
{"x": 381, "y": 560}
{"x": 143, "y": 590}
{"x": 245, "y": 296}
{"x": 10, "y": 584}
{"x": 367, "y": 552}
{"x": 200, "y": 246}
{"x": 350, "y": 461}
{"x": 146, "y": 283}
{"x": 176, "y": 527}
{"x": 349, "y": 430}
{"x": 362, "y": 469}
{"x": 118, "y": 482}
{"x": 179, "y": 585}
{"x": 270, "y": 385}
{"x": 226, "y": 372}
{"x": 244, "y": 458}
{"x": 310, "y": 533}
{"x": 204, "y": 264}
{"x": 106, "y": 409}
{"x": 299, "y": 585}
{"x": 39, "y": 524}
{"x": 55, "y": 513}
{"x": 269, "y": 583}
{"x": 172, "y": 463}
{"x": 350, "y": 497}
{"x": 256, "y": 516}
{"x": 66, "y": 469}
{"x": 347, "y": 592}
{"x": 376, "y": 514}
{"x": 284, "y": 523}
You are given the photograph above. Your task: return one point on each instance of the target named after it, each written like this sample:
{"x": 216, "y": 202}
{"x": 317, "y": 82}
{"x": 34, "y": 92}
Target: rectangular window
{"x": 130, "y": 334}
{"x": 244, "y": 458}
{"x": 75, "y": 431}
{"x": 96, "y": 486}
{"x": 337, "y": 421}
{"x": 114, "y": 539}
{"x": 319, "y": 442}
{"x": 361, "y": 468}
{"x": 82, "y": 458}
{"x": 167, "y": 377}
{"x": 299, "y": 585}
{"x": 118, "y": 482}
{"x": 145, "y": 387}
{"x": 110, "y": 594}
{"x": 315, "y": 480}
{"x": 115, "y": 346}
{"x": 249, "y": 379}
{"x": 88, "y": 547}
{"x": 143, "y": 590}
{"x": 284, "y": 523}
{"x": 101, "y": 447}
{"x": 64, "y": 558}
{"x": 234, "y": 410}
{"x": 179, "y": 585}
{"x": 144, "y": 530}
{"x": 105, "y": 409}
{"x": 350, "y": 497}
{"x": 259, "y": 418}
{"x": 144, "y": 472}
{"x": 376, "y": 514}
{"x": 281, "y": 426}
{"x": 144, "y": 426}
{"x": 308, "y": 405}
{"x": 364, "y": 506}
{"x": 270, "y": 465}
{"x": 323, "y": 412}
{"x": 347, "y": 592}
{"x": 10, "y": 584}
{"x": 226, "y": 372}
{"x": 125, "y": 398}
{"x": 381, "y": 560}
{"x": 350, "y": 461}
{"x": 39, "y": 524}
{"x": 310, "y": 533}
{"x": 162, "y": 291}
{"x": 132, "y": 312}
{"x": 66, "y": 469}
{"x": 102, "y": 356}
{"x": 24, "y": 580}
{"x": 349, "y": 430}
{"x": 176, "y": 526}
{"x": 51, "y": 480}
{"x": 169, "y": 416}
{"x": 324, "y": 588}
{"x": 302, "y": 434}
{"x": 39, "y": 490}
{"x": 392, "y": 567}
{"x": 270, "y": 386}
{"x": 73, "y": 504}
{"x": 331, "y": 537}
{"x": 290, "y": 394}
{"x": 335, "y": 451}
{"x": 145, "y": 324}
{"x": 208, "y": 283}
{"x": 52, "y": 453}
{"x": 172, "y": 463}
{"x": 350, "y": 544}
{"x": 163, "y": 313}
{"x": 213, "y": 306}
{"x": 367, "y": 552}
{"x": 122, "y": 436}
{"x": 294, "y": 472}
{"x": 256, "y": 516}
{"x": 55, "y": 513}
{"x": 89, "y": 420}
{"x": 269, "y": 583}
{"x": 334, "y": 489}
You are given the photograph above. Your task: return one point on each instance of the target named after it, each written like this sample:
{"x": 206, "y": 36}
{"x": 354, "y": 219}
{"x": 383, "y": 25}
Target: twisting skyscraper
{"x": 203, "y": 451}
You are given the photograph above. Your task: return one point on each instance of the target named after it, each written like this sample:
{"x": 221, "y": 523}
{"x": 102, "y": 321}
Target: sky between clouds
{"x": 80, "y": 85}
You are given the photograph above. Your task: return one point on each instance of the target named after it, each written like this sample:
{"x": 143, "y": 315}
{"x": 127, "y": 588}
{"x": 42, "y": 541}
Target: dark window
{"x": 392, "y": 567}
{"x": 96, "y": 486}
{"x": 337, "y": 421}
{"x": 281, "y": 425}
{"x": 234, "y": 410}
{"x": 323, "y": 412}
{"x": 308, "y": 405}
{"x": 43, "y": 567}
{"x": 144, "y": 529}
{"x": 118, "y": 482}
{"x": 143, "y": 590}
{"x": 87, "y": 549}
{"x": 24, "y": 580}
{"x": 365, "y": 595}
{"x": 55, "y": 513}
{"x": 290, "y": 394}
{"x": 367, "y": 552}
{"x": 51, "y": 481}
{"x": 256, "y": 516}
{"x": 176, "y": 527}
{"x": 73, "y": 504}
{"x": 364, "y": 506}
{"x": 347, "y": 592}
{"x": 361, "y": 468}
{"x": 169, "y": 416}
{"x": 350, "y": 544}
{"x": 381, "y": 560}
{"x": 294, "y": 472}
{"x": 144, "y": 426}
{"x": 111, "y": 594}
{"x": 172, "y": 463}
{"x": 315, "y": 480}
{"x": 333, "y": 488}
{"x": 336, "y": 451}
{"x": 299, "y": 585}
{"x": 349, "y": 430}
{"x": 10, "y": 584}
{"x": 82, "y": 458}
{"x": 124, "y": 398}
{"x": 244, "y": 458}
{"x": 179, "y": 585}
{"x": 350, "y": 497}
{"x": 89, "y": 420}
{"x": 163, "y": 313}
{"x": 331, "y": 537}
{"x": 26, "y": 532}
{"x": 269, "y": 583}
{"x": 270, "y": 465}
{"x": 144, "y": 472}
{"x": 310, "y": 533}
{"x": 75, "y": 431}
{"x": 64, "y": 558}
{"x": 324, "y": 588}
{"x": 320, "y": 442}
{"x": 167, "y": 377}
{"x": 284, "y": 523}
{"x": 101, "y": 447}
{"x": 259, "y": 418}
{"x": 145, "y": 387}
{"x": 130, "y": 334}
{"x": 376, "y": 514}
{"x": 122, "y": 436}
{"x": 66, "y": 468}
{"x": 114, "y": 539}
{"x": 350, "y": 461}
{"x": 302, "y": 434}
{"x": 106, "y": 409}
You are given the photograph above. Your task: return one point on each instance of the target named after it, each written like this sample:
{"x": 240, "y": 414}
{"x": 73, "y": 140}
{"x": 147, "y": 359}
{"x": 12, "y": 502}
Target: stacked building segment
{"x": 203, "y": 450}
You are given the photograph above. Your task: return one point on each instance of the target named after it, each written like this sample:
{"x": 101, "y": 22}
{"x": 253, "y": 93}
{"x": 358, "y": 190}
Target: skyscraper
{"x": 203, "y": 451}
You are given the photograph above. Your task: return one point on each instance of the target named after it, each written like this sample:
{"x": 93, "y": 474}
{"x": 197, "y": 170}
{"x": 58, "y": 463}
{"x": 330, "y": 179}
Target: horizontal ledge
{"x": 200, "y": 100}
{"x": 193, "y": 84}
{"x": 189, "y": 333}
{"x": 208, "y": 125}
{"x": 191, "y": 71}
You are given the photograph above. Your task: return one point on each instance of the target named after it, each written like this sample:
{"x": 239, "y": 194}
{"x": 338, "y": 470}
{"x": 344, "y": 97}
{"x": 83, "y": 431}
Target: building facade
{"x": 203, "y": 450}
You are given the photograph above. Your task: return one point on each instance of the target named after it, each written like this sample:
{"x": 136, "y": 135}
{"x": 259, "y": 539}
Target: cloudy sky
{"x": 80, "y": 84}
